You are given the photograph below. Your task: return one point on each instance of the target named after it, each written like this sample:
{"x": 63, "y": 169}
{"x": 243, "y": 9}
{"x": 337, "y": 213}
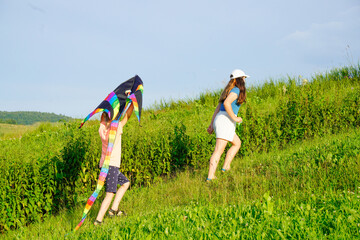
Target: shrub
{"x": 57, "y": 166}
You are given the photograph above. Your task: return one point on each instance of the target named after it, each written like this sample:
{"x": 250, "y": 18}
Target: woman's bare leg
{"x": 215, "y": 157}
{"x": 236, "y": 144}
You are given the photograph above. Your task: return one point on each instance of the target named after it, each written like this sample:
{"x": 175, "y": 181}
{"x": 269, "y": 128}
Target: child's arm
{"x": 125, "y": 119}
{"x": 102, "y": 131}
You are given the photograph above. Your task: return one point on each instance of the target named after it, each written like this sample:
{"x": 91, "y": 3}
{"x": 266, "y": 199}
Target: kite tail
{"x": 136, "y": 106}
{"x": 131, "y": 99}
{"x": 103, "y": 172}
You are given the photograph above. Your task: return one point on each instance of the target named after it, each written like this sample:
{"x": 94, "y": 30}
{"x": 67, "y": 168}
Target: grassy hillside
{"x": 29, "y": 118}
{"x": 55, "y": 166}
{"x": 310, "y": 190}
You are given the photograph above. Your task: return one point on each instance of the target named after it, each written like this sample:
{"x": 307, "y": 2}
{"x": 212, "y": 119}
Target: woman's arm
{"x": 211, "y": 128}
{"x": 227, "y": 104}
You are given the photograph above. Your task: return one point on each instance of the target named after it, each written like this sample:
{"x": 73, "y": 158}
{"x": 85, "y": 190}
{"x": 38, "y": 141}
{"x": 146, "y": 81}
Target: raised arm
{"x": 127, "y": 115}
{"x": 103, "y": 130}
{"x": 125, "y": 119}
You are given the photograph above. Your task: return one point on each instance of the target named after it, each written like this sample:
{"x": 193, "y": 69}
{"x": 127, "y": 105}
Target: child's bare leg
{"x": 215, "y": 157}
{"x": 236, "y": 144}
{"x": 104, "y": 206}
{"x": 119, "y": 195}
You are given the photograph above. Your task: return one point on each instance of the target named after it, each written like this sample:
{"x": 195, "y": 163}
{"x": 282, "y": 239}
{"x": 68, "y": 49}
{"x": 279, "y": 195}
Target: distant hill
{"x": 28, "y": 118}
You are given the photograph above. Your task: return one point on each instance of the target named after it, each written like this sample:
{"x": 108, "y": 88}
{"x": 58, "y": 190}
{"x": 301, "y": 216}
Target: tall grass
{"x": 309, "y": 190}
{"x": 8, "y": 131}
{"x": 55, "y": 166}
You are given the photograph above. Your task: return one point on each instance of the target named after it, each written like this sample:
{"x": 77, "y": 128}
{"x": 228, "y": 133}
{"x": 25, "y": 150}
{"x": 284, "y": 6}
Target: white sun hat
{"x": 238, "y": 73}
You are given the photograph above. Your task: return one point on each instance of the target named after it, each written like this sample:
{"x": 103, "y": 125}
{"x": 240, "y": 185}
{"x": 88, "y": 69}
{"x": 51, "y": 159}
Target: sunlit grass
{"x": 263, "y": 195}
{"x": 293, "y": 172}
{"x": 14, "y": 130}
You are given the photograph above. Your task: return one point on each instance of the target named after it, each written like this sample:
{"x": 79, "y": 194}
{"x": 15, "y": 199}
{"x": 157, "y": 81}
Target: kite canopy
{"x": 118, "y": 100}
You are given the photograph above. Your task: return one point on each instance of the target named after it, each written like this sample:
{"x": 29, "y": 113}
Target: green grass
{"x": 14, "y": 130}
{"x": 308, "y": 190}
{"x": 289, "y": 167}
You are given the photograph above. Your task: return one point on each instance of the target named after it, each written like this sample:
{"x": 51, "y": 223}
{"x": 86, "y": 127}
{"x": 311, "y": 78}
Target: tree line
{"x": 30, "y": 117}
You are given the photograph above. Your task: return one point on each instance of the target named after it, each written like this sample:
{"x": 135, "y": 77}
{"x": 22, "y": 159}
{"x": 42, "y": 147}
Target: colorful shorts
{"x": 113, "y": 178}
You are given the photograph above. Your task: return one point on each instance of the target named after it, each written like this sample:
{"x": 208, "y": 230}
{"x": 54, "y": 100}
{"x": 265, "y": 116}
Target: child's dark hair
{"x": 105, "y": 117}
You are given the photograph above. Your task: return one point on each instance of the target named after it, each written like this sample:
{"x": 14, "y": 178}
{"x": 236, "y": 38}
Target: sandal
{"x": 97, "y": 222}
{"x": 225, "y": 170}
{"x": 118, "y": 213}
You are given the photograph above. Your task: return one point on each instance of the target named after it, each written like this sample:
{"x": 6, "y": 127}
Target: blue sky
{"x": 65, "y": 56}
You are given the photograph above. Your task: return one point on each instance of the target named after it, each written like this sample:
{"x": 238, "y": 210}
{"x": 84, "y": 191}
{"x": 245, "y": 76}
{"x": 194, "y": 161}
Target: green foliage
{"x": 40, "y": 175}
{"x": 55, "y": 166}
{"x": 250, "y": 221}
{"x": 28, "y": 118}
{"x": 323, "y": 106}
{"x": 14, "y": 130}
{"x": 308, "y": 191}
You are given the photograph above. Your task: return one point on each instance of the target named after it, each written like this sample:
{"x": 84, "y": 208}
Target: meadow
{"x": 296, "y": 175}
{"x": 309, "y": 190}
{"x": 15, "y": 131}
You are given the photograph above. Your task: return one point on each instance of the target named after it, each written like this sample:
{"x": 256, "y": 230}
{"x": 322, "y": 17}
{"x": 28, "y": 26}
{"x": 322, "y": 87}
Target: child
{"x": 114, "y": 176}
{"x": 224, "y": 121}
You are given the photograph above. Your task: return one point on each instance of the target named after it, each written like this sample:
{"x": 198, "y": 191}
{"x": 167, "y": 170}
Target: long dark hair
{"x": 235, "y": 82}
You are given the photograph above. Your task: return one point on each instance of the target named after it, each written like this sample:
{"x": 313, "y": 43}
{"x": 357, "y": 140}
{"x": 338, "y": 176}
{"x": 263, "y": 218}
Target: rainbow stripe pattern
{"x": 117, "y": 101}
{"x": 132, "y": 98}
{"x": 113, "y": 100}
{"x": 103, "y": 173}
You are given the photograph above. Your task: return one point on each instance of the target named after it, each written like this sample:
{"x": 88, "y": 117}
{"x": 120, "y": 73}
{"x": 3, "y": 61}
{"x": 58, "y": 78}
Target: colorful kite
{"x": 115, "y": 105}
